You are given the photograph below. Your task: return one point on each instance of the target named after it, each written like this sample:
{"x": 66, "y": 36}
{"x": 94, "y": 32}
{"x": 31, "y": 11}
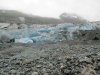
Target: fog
{"x": 88, "y": 9}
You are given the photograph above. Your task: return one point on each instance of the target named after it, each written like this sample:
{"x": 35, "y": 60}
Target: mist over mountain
{"x": 12, "y": 16}
{"x": 72, "y": 18}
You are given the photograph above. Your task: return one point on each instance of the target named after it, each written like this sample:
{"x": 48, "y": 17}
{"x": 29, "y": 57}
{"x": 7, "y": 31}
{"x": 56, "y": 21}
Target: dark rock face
{"x": 72, "y": 18}
{"x": 12, "y": 40}
{"x": 90, "y": 35}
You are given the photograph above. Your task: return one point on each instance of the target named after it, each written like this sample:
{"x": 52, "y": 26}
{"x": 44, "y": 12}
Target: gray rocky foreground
{"x": 49, "y": 58}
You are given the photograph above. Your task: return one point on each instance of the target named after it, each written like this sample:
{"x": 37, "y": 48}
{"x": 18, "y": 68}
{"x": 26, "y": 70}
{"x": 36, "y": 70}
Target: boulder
{"x": 4, "y": 38}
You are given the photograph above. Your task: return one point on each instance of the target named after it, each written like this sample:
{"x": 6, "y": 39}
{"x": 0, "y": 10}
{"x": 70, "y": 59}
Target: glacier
{"x": 46, "y": 33}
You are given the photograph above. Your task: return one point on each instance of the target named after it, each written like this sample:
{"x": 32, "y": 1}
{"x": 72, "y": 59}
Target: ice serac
{"x": 72, "y": 18}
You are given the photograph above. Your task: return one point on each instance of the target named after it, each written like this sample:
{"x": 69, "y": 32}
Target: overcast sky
{"x": 88, "y": 9}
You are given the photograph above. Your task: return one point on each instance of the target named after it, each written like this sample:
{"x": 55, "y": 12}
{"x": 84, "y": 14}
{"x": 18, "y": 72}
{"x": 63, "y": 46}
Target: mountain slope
{"x": 11, "y": 16}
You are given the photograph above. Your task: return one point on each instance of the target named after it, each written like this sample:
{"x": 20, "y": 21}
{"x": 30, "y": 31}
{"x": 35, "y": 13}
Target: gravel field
{"x": 50, "y": 58}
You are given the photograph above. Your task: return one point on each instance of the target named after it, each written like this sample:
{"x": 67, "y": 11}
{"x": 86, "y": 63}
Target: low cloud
{"x": 88, "y": 9}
